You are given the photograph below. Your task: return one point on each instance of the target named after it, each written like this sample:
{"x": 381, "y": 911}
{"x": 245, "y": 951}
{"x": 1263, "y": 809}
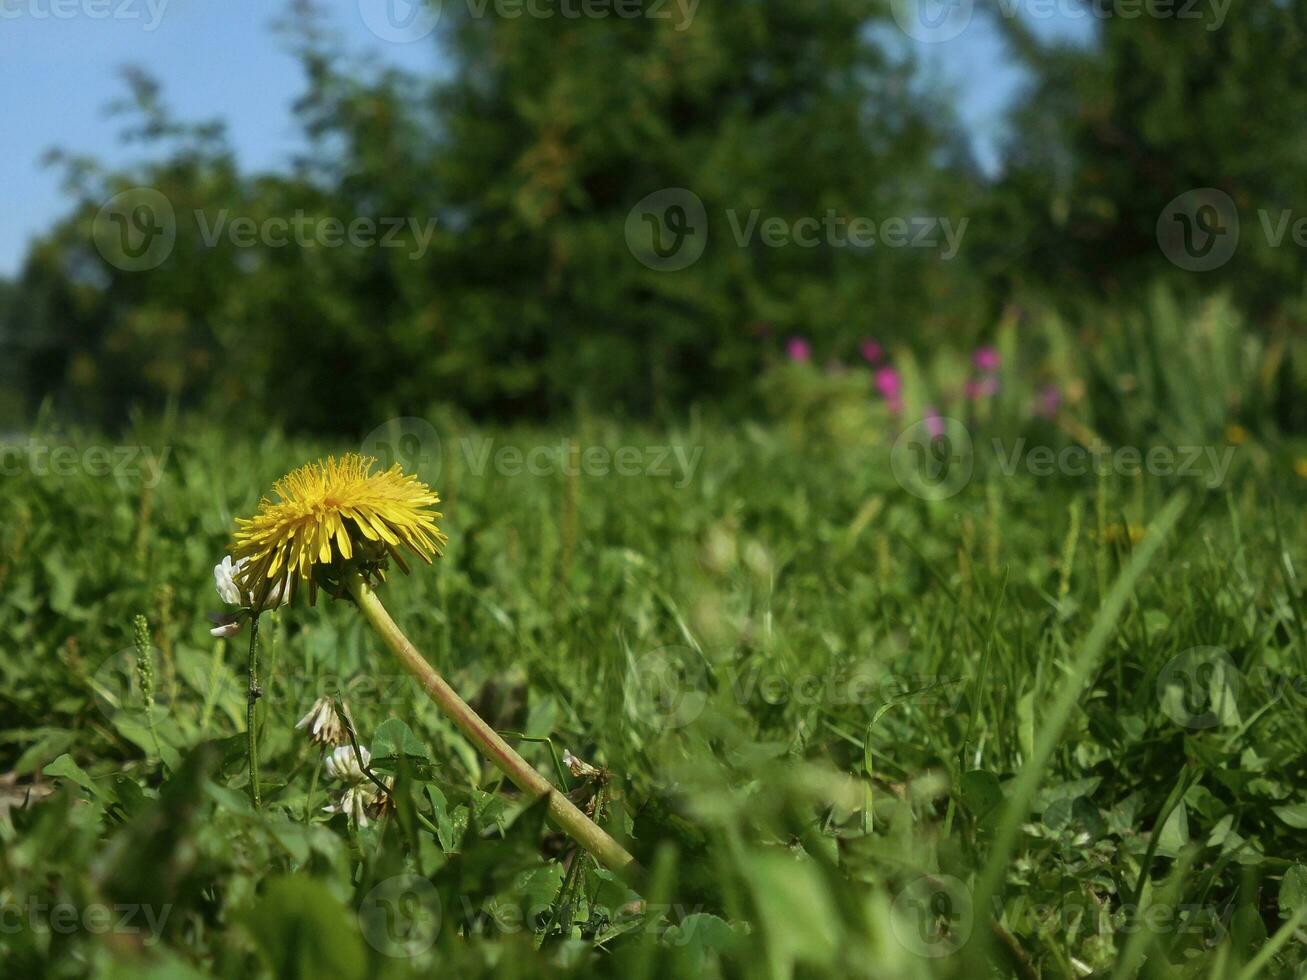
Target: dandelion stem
{"x": 562, "y": 811}
{"x": 251, "y": 699}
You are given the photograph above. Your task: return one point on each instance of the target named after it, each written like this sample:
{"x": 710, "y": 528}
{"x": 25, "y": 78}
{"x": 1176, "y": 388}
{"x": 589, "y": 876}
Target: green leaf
{"x": 394, "y": 740}
{"x": 1175, "y": 832}
{"x": 1026, "y": 723}
{"x": 795, "y": 913}
{"x": 1074, "y": 815}
{"x": 1156, "y": 622}
{"x": 303, "y": 931}
{"x": 1295, "y": 815}
{"x": 1293, "y": 891}
{"x": 294, "y": 837}
{"x": 697, "y": 937}
{"x": 130, "y": 795}
{"x": 63, "y": 581}
{"x": 450, "y": 827}
{"x": 65, "y": 767}
{"x": 981, "y": 792}
{"x": 1070, "y": 790}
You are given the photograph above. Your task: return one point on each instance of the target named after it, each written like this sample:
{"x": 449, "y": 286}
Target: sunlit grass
{"x": 841, "y": 726}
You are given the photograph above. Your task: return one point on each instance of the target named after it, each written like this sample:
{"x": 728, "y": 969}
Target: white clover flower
{"x": 344, "y": 765}
{"x": 224, "y": 574}
{"x": 322, "y": 723}
{"x": 354, "y": 803}
{"x": 361, "y": 795}
{"x": 228, "y": 626}
{"x": 224, "y": 580}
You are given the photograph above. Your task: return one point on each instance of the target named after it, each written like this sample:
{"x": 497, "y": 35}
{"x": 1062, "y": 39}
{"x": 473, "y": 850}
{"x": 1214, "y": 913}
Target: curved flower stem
{"x": 562, "y": 811}
{"x": 251, "y": 699}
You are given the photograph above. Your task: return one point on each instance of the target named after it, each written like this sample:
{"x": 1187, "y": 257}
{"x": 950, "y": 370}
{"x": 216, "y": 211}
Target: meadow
{"x": 873, "y": 491}
{"x": 998, "y": 723}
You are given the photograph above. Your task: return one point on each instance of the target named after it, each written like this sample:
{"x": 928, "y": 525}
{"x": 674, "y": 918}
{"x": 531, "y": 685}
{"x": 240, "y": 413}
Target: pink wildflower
{"x": 934, "y": 424}
{"x": 890, "y": 386}
{"x": 1048, "y": 401}
{"x": 986, "y": 359}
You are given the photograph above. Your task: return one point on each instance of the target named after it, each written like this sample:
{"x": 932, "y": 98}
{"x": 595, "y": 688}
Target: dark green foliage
{"x": 1109, "y": 133}
{"x": 526, "y": 162}
{"x": 514, "y": 288}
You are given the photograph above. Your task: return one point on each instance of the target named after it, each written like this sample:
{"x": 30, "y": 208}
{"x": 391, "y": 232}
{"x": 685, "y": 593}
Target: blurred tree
{"x": 524, "y": 167}
{"x": 559, "y": 128}
{"x": 1109, "y": 135}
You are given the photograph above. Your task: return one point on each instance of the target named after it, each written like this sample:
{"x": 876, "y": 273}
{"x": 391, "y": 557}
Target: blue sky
{"x": 220, "y": 58}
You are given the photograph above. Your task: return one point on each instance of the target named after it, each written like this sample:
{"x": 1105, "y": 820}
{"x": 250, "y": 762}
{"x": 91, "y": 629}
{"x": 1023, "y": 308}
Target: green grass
{"x": 845, "y": 727}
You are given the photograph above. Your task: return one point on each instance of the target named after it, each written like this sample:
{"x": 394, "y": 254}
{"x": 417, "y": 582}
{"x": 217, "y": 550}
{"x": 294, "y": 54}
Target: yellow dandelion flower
{"x": 1236, "y": 434}
{"x": 333, "y": 511}
{"x": 1300, "y": 466}
{"x": 335, "y": 524}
